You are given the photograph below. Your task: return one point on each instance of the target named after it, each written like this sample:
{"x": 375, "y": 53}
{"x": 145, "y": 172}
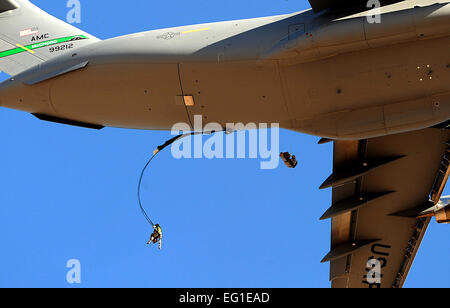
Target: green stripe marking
{"x": 34, "y": 46}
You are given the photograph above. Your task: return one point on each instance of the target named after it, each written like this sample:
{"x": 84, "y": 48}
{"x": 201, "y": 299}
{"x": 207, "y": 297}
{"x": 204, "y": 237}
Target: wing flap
{"x": 410, "y": 181}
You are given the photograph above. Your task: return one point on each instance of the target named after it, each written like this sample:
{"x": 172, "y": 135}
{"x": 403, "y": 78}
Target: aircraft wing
{"x": 338, "y": 5}
{"x": 380, "y": 186}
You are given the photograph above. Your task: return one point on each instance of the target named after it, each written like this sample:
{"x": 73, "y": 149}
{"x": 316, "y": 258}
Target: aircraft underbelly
{"x": 139, "y": 81}
{"x": 360, "y": 95}
{"x": 149, "y": 96}
{"x": 236, "y": 92}
{"x": 120, "y": 95}
{"x": 371, "y": 93}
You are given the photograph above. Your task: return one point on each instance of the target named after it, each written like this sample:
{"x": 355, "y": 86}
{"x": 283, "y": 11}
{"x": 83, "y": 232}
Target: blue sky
{"x": 70, "y": 193}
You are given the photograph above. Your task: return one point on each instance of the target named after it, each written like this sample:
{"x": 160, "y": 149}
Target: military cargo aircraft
{"x": 370, "y": 76}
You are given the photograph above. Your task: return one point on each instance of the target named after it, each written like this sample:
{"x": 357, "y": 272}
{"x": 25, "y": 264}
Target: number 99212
{"x": 61, "y": 47}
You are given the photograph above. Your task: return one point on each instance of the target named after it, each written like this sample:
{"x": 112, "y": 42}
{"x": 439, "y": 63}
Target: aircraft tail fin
{"x": 29, "y": 36}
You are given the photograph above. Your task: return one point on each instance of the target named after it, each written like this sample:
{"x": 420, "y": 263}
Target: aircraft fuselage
{"x": 339, "y": 77}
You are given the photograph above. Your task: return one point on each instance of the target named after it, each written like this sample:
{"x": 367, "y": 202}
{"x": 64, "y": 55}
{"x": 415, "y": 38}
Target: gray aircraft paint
{"x": 335, "y": 76}
{"x": 346, "y": 81}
